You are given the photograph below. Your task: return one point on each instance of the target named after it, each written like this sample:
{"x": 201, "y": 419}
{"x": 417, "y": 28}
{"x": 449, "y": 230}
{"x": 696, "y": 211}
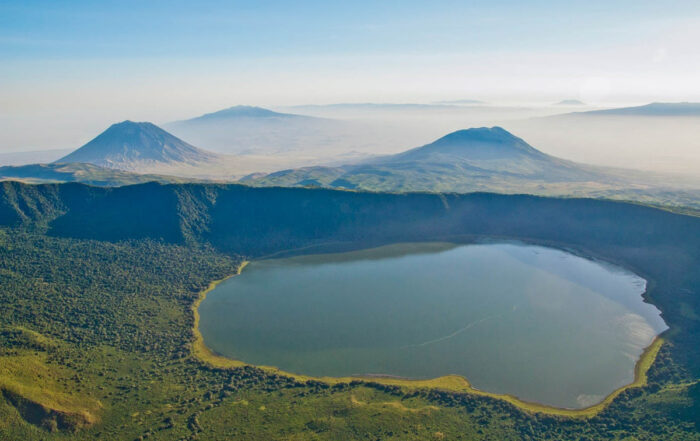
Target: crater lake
{"x": 538, "y": 323}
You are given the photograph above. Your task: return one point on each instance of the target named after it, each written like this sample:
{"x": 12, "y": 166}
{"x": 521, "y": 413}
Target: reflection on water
{"x": 535, "y": 322}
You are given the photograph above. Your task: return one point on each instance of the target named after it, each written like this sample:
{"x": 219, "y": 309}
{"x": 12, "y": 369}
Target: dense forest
{"x": 97, "y": 286}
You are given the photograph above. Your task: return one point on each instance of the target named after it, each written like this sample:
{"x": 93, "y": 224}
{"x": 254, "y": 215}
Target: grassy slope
{"x": 43, "y": 394}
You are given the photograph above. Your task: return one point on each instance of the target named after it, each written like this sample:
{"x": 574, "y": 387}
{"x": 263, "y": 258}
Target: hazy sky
{"x": 70, "y": 68}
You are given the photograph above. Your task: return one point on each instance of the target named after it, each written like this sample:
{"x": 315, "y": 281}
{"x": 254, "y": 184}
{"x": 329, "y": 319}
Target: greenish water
{"x": 534, "y": 322}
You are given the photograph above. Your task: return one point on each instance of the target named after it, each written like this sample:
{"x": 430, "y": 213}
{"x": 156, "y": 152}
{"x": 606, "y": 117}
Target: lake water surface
{"x": 538, "y": 323}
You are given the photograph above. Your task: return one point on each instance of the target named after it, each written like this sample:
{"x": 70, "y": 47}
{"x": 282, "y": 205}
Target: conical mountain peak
{"x": 130, "y": 145}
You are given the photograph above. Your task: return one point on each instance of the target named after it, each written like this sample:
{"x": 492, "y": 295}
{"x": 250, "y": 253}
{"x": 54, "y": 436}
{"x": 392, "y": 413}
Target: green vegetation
{"x": 97, "y": 288}
{"x": 40, "y": 392}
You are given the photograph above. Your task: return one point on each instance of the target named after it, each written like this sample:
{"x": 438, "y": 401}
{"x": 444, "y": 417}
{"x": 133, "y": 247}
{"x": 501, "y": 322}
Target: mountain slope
{"x": 137, "y": 145}
{"x": 466, "y": 160}
{"x": 493, "y": 150}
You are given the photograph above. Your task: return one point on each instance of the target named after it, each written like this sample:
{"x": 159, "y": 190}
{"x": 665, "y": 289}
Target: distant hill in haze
{"x": 470, "y": 145}
{"x": 255, "y": 130}
{"x": 653, "y": 109}
{"x": 570, "y": 102}
{"x": 461, "y": 102}
{"x": 135, "y": 146}
{"x": 239, "y": 112}
{"x": 465, "y": 160}
{"x": 79, "y": 172}
{"x": 378, "y": 107}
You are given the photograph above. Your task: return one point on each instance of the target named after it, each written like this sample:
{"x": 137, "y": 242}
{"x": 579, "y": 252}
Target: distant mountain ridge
{"x": 240, "y": 112}
{"x": 256, "y": 130}
{"x": 136, "y": 145}
{"x": 461, "y": 102}
{"x": 570, "y": 102}
{"x": 370, "y": 106}
{"x": 652, "y": 109}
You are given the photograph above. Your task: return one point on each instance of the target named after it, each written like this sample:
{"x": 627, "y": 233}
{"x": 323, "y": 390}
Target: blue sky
{"x": 95, "y": 61}
{"x": 132, "y": 29}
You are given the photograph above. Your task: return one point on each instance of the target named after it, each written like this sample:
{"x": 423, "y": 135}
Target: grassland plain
{"x": 105, "y": 326}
